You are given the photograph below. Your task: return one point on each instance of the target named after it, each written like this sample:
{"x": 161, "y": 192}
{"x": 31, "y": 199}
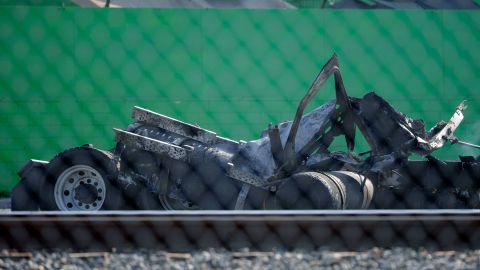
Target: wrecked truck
{"x": 163, "y": 163}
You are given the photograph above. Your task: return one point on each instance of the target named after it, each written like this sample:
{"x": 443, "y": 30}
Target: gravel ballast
{"x": 396, "y": 258}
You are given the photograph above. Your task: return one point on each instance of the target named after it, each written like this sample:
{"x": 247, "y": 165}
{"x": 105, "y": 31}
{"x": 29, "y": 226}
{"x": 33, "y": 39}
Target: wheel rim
{"x": 80, "y": 188}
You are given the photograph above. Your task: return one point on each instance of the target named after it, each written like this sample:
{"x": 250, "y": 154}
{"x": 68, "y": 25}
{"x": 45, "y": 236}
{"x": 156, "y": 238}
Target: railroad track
{"x": 184, "y": 231}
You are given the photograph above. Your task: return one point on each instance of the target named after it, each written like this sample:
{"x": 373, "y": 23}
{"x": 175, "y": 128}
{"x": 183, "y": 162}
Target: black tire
{"x": 308, "y": 190}
{"x": 25, "y": 195}
{"x": 89, "y": 157}
{"x": 148, "y": 200}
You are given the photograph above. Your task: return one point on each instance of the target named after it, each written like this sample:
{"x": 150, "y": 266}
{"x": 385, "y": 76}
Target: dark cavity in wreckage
{"x": 163, "y": 163}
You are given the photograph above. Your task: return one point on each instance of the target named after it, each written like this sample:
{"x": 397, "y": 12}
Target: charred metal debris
{"x": 162, "y": 163}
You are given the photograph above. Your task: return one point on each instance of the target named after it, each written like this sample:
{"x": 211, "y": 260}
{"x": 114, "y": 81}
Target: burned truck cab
{"x": 162, "y": 163}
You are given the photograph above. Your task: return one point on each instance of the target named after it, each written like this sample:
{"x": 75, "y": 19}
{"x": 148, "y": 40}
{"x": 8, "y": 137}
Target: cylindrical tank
{"x": 324, "y": 190}
{"x": 358, "y": 189}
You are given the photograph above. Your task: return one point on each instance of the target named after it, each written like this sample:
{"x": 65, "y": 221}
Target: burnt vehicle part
{"x": 162, "y": 163}
{"x": 25, "y": 195}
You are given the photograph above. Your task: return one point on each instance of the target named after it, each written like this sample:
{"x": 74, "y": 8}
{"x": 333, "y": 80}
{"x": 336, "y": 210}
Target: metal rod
{"x": 468, "y": 144}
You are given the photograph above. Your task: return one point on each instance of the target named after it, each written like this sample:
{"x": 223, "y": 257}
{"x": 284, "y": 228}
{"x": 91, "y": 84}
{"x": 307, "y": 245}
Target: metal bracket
{"x": 275, "y": 144}
{"x": 245, "y": 177}
{"x": 242, "y": 196}
{"x": 151, "y": 145}
{"x": 152, "y": 118}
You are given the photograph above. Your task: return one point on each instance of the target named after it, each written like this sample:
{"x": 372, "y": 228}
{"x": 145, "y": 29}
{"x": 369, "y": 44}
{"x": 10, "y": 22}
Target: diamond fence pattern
{"x": 69, "y": 75}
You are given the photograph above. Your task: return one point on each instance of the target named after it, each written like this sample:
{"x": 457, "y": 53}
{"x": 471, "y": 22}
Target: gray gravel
{"x": 396, "y": 258}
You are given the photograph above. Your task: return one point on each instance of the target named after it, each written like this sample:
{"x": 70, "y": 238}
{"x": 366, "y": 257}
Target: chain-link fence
{"x": 71, "y": 75}
{"x": 379, "y": 4}
{"x": 218, "y": 109}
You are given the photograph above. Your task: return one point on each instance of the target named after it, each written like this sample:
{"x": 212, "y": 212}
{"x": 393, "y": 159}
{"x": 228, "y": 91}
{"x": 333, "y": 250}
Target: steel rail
{"x": 184, "y": 231}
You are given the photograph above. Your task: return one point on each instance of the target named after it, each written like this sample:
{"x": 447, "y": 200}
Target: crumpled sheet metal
{"x": 258, "y": 153}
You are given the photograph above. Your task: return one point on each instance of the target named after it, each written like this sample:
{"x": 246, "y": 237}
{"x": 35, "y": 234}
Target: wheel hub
{"x": 85, "y": 193}
{"x": 80, "y": 188}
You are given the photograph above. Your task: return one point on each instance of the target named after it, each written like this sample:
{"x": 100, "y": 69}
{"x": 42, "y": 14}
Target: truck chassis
{"x": 163, "y": 163}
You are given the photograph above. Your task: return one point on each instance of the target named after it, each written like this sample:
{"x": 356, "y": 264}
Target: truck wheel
{"x": 81, "y": 179}
{"x": 148, "y": 200}
{"x": 23, "y": 198}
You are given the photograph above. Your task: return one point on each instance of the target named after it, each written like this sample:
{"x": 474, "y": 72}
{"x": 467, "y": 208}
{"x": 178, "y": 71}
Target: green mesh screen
{"x": 69, "y": 75}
